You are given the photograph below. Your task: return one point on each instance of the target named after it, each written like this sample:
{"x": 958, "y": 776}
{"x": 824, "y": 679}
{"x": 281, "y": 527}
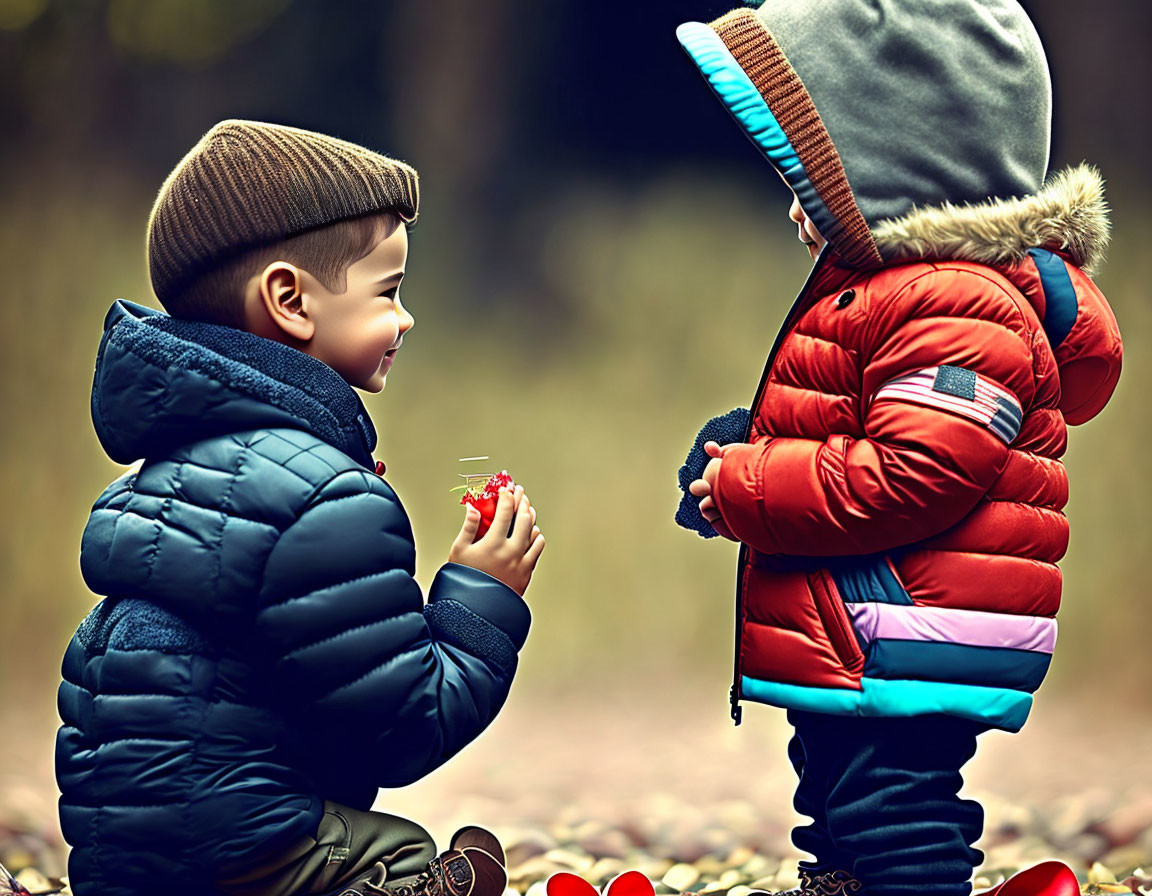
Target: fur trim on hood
{"x": 1067, "y": 214}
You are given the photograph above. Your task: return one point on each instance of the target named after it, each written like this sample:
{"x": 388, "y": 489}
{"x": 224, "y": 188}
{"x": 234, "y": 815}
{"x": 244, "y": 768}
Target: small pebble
{"x": 740, "y": 856}
{"x": 787, "y": 878}
{"x": 680, "y": 877}
{"x": 1124, "y": 858}
{"x": 709, "y": 866}
{"x": 1100, "y": 874}
{"x": 33, "y": 880}
{"x": 569, "y": 858}
{"x": 761, "y": 866}
{"x": 651, "y": 868}
{"x": 16, "y": 858}
{"x": 536, "y": 868}
{"x": 605, "y": 842}
{"x": 604, "y": 870}
{"x": 524, "y": 844}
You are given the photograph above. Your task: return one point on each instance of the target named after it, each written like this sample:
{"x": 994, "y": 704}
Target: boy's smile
{"x": 357, "y": 332}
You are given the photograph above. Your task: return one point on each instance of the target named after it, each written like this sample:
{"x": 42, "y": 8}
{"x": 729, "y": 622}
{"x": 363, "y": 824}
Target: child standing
{"x": 898, "y": 492}
{"x": 264, "y": 659}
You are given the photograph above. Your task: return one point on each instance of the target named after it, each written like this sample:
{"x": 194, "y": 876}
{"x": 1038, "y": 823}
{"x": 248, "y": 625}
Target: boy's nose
{"x": 795, "y": 212}
{"x": 405, "y": 318}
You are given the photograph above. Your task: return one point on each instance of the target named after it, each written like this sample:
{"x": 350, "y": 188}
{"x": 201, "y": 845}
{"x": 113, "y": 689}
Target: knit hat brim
{"x": 748, "y": 72}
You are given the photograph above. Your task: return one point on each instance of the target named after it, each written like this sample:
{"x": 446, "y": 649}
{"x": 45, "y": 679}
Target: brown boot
{"x": 824, "y": 883}
{"x": 466, "y": 869}
{"x": 473, "y": 837}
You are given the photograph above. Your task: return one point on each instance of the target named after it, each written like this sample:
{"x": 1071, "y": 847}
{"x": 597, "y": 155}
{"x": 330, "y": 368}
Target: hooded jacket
{"x": 262, "y": 645}
{"x": 899, "y": 492}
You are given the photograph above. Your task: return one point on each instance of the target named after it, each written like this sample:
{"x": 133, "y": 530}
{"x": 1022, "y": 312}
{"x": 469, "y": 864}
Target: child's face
{"x": 808, "y": 233}
{"x": 356, "y": 332}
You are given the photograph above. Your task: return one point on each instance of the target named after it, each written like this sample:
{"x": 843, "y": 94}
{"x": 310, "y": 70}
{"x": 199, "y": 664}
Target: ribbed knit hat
{"x": 869, "y": 108}
{"x": 249, "y": 183}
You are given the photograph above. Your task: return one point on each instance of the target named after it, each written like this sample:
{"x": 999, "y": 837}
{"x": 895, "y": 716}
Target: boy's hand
{"x": 702, "y": 488}
{"x": 509, "y": 557}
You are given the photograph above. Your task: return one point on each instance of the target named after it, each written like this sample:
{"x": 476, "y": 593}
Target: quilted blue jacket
{"x": 262, "y": 645}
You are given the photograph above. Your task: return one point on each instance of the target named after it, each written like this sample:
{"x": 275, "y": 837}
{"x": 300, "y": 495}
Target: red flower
{"x": 485, "y": 499}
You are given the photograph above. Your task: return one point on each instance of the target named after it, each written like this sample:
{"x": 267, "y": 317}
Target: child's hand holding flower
{"x": 510, "y": 547}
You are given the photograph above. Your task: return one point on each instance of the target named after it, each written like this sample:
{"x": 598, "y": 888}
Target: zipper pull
{"x": 736, "y": 709}
{"x": 380, "y": 468}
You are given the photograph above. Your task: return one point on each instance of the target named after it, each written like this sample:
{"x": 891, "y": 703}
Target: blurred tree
{"x": 19, "y": 13}
{"x": 190, "y": 33}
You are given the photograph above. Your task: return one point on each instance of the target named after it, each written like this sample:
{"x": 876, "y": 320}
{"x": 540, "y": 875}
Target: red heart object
{"x": 630, "y": 883}
{"x": 564, "y": 883}
{"x": 485, "y": 500}
{"x": 1046, "y": 879}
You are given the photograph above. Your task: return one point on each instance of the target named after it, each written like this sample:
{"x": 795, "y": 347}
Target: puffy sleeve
{"x": 946, "y": 379}
{"x": 392, "y": 685}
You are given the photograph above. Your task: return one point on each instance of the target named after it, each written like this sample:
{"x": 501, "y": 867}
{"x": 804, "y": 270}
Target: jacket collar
{"x": 1067, "y": 215}
{"x": 161, "y": 382}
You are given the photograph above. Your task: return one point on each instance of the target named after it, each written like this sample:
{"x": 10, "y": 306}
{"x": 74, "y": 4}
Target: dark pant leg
{"x": 809, "y": 754}
{"x": 895, "y": 805}
{"x": 346, "y": 848}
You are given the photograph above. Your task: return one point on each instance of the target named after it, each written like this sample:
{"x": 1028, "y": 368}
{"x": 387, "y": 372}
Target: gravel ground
{"x": 675, "y": 791}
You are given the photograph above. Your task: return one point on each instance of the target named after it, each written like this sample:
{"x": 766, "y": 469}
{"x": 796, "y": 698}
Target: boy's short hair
{"x": 250, "y": 192}
{"x": 217, "y": 295}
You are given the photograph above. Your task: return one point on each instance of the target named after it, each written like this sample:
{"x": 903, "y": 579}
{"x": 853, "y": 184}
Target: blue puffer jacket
{"x": 263, "y": 645}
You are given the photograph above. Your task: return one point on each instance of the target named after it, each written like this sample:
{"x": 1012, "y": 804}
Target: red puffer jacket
{"x": 899, "y": 496}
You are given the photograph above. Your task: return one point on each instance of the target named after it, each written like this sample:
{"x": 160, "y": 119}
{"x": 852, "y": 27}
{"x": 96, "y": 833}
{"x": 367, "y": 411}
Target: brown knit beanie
{"x": 249, "y": 183}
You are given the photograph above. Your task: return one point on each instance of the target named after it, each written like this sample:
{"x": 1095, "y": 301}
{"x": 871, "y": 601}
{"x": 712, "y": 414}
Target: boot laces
{"x": 833, "y": 883}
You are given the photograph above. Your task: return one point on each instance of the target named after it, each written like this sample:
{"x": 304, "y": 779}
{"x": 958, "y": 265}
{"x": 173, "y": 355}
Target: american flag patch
{"x": 962, "y": 392}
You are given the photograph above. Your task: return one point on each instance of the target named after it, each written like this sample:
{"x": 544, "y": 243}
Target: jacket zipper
{"x": 734, "y": 695}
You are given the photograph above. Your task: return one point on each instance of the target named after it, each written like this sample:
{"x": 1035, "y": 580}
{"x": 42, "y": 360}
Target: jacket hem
{"x": 999, "y": 707}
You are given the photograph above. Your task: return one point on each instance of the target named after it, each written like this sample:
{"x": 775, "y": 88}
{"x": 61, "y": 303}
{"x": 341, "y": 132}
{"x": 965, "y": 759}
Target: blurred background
{"x": 601, "y": 263}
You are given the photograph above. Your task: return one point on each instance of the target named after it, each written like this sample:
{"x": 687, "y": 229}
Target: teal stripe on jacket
{"x": 1000, "y": 707}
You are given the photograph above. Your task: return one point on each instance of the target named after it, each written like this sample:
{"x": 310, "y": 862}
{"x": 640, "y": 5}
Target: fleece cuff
{"x": 486, "y": 596}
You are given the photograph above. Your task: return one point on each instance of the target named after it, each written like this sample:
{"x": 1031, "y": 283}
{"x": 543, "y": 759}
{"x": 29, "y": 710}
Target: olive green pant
{"x": 345, "y": 849}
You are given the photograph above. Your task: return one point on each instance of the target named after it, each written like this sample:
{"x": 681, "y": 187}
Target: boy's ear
{"x": 281, "y": 293}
